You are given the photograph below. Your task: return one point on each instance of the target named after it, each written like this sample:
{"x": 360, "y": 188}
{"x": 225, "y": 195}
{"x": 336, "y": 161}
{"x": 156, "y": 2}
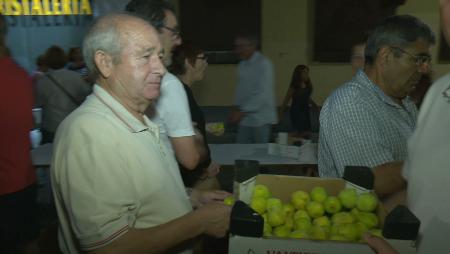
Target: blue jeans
{"x": 253, "y": 135}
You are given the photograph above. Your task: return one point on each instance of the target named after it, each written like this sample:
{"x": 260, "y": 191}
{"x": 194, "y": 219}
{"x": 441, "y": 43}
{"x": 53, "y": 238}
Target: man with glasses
{"x": 367, "y": 121}
{"x": 172, "y": 109}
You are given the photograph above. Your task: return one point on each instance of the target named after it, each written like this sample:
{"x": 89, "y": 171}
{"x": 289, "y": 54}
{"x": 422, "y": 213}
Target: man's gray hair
{"x": 103, "y": 35}
{"x": 399, "y": 31}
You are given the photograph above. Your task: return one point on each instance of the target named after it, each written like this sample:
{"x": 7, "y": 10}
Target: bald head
{"x": 107, "y": 34}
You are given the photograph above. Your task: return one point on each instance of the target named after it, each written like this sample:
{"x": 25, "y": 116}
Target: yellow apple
{"x": 367, "y": 202}
{"x": 301, "y": 214}
{"x": 349, "y": 231}
{"x": 299, "y": 199}
{"x": 299, "y": 234}
{"x": 258, "y": 204}
{"x": 276, "y": 217}
{"x": 315, "y": 209}
{"x": 332, "y": 205}
{"x": 322, "y": 221}
{"x": 229, "y": 200}
{"x": 342, "y": 218}
{"x": 289, "y": 209}
{"x": 273, "y": 203}
{"x": 261, "y": 191}
{"x": 348, "y": 198}
{"x": 281, "y": 231}
{"x": 318, "y": 194}
{"x": 302, "y": 224}
{"x": 318, "y": 233}
{"x": 368, "y": 219}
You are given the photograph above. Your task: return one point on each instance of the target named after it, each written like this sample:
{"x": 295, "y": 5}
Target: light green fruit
{"x": 332, "y": 205}
{"x": 334, "y": 229}
{"x": 281, "y": 231}
{"x": 322, "y": 221}
{"x": 289, "y": 209}
{"x": 261, "y": 191}
{"x": 299, "y": 234}
{"x": 361, "y": 228}
{"x": 267, "y": 230}
{"x": 264, "y": 217}
{"x": 302, "y": 224}
{"x": 367, "y": 202}
{"x": 355, "y": 212}
{"x": 273, "y": 203}
{"x": 276, "y": 217}
{"x": 229, "y": 200}
{"x": 337, "y": 237}
{"x": 318, "y": 233}
{"x": 349, "y": 231}
{"x": 376, "y": 232}
{"x": 315, "y": 209}
{"x": 299, "y": 199}
{"x": 289, "y": 222}
{"x": 301, "y": 214}
{"x": 342, "y": 218}
{"x": 318, "y": 194}
{"x": 368, "y": 219}
{"x": 348, "y": 198}
{"x": 258, "y": 204}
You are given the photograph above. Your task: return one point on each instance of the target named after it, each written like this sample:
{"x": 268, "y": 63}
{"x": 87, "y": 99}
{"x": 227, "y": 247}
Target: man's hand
{"x": 379, "y": 245}
{"x": 201, "y": 198}
{"x": 215, "y": 218}
{"x": 236, "y": 116}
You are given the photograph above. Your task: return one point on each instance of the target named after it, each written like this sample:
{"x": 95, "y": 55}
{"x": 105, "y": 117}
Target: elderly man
{"x": 367, "y": 121}
{"x": 116, "y": 188}
{"x": 255, "y": 109}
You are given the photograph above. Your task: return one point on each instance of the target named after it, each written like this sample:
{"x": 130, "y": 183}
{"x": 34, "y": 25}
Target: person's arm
{"x": 211, "y": 219}
{"x": 388, "y": 178}
{"x": 379, "y": 245}
{"x": 189, "y": 150}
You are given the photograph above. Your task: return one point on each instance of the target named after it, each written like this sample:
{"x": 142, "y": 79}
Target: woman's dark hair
{"x": 297, "y": 77}
{"x": 56, "y": 57}
{"x": 154, "y": 11}
{"x": 185, "y": 51}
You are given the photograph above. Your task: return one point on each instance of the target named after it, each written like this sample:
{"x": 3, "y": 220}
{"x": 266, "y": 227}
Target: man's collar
{"x": 133, "y": 124}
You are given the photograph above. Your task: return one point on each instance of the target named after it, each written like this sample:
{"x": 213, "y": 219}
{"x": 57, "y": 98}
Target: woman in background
{"x": 189, "y": 64}
{"x": 299, "y": 92}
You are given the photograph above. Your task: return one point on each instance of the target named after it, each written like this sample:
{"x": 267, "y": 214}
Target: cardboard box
{"x": 281, "y": 187}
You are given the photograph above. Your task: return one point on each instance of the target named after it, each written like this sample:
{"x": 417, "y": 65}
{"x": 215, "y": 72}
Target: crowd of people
{"x": 122, "y": 115}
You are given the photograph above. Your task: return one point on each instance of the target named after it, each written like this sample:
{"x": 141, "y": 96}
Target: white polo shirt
{"x": 111, "y": 173}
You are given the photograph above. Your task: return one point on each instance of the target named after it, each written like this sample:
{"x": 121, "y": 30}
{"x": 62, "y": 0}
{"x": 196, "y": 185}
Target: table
{"x": 226, "y": 154}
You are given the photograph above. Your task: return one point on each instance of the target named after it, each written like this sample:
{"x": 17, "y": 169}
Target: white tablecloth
{"x": 226, "y": 154}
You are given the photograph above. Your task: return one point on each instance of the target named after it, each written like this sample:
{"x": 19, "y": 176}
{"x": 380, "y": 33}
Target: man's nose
{"x": 425, "y": 68}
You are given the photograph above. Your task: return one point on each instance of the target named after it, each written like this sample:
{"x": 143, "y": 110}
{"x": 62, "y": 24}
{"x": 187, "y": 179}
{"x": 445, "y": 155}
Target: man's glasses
{"x": 175, "y": 32}
{"x": 418, "y": 59}
{"x": 202, "y": 58}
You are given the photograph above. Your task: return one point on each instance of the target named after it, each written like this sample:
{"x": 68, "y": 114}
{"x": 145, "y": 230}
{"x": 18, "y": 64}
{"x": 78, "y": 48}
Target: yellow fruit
{"x": 342, "y": 218}
{"x": 337, "y": 237}
{"x": 332, "y": 205}
{"x": 261, "y": 191}
{"x": 258, "y": 204}
{"x": 299, "y": 234}
{"x": 273, "y": 203}
{"x": 276, "y": 217}
{"x": 367, "y": 202}
{"x": 301, "y": 214}
{"x": 368, "y": 219}
{"x": 349, "y": 232}
{"x": 318, "y": 194}
{"x": 299, "y": 199}
{"x": 229, "y": 200}
{"x": 281, "y": 231}
{"x": 289, "y": 223}
{"x": 267, "y": 230}
{"x": 302, "y": 224}
{"x": 348, "y": 198}
{"x": 289, "y": 209}
{"x": 318, "y": 233}
{"x": 315, "y": 209}
{"x": 322, "y": 221}
{"x": 376, "y": 232}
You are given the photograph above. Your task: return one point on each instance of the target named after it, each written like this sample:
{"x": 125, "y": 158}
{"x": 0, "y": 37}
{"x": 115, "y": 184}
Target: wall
{"x": 286, "y": 41}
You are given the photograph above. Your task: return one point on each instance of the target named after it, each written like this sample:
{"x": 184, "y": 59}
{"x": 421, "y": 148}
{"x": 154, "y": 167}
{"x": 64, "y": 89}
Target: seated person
{"x": 368, "y": 120}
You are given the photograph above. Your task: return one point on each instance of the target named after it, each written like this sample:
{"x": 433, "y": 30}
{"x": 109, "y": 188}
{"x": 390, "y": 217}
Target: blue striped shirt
{"x": 362, "y": 126}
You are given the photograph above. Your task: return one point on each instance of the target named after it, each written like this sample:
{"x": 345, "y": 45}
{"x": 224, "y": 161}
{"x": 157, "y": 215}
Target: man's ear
{"x": 104, "y": 63}
{"x": 385, "y": 56}
{"x": 188, "y": 64}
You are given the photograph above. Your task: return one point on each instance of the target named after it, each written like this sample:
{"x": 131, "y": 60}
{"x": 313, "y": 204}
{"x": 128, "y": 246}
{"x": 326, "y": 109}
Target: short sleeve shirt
{"x": 362, "y": 126}
{"x": 172, "y": 111}
{"x": 110, "y": 173}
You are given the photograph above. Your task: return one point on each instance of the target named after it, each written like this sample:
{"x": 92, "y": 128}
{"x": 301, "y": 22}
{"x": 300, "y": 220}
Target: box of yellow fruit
{"x": 293, "y": 214}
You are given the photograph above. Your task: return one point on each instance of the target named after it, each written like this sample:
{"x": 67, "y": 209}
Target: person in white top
{"x": 116, "y": 188}
{"x": 172, "y": 109}
{"x": 427, "y": 168}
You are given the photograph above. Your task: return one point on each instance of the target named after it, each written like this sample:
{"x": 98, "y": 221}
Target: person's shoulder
{"x": 348, "y": 93}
